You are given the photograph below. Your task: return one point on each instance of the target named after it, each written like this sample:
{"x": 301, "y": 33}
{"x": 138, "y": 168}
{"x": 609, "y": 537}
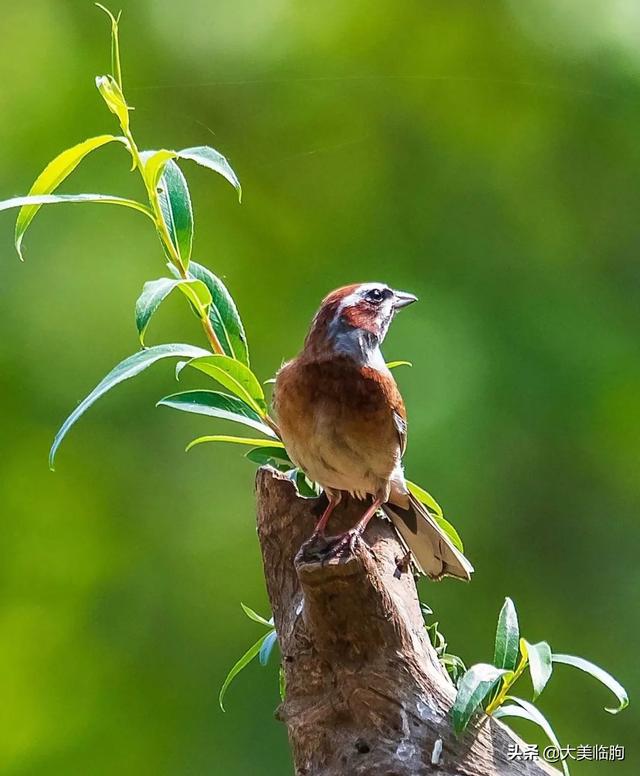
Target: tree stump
{"x": 365, "y": 692}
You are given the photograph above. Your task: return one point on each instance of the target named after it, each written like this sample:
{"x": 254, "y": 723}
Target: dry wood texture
{"x": 365, "y": 693}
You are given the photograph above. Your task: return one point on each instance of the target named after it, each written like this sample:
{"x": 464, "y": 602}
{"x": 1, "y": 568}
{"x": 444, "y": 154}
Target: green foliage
{"x": 489, "y": 685}
{"x": 507, "y": 637}
{"x": 261, "y": 649}
{"x": 169, "y": 207}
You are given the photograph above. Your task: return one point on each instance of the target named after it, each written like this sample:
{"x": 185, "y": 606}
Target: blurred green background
{"x": 482, "y": 155}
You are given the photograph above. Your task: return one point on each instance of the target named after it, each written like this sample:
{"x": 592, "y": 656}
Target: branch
{"x": 365, "y": 692}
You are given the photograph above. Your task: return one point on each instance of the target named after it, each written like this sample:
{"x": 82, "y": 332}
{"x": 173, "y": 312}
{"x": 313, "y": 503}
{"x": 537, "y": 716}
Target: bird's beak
{"x": 403, "y": 299}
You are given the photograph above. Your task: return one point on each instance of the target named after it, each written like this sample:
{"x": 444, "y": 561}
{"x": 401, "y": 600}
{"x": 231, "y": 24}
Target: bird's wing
{"x": 434, "y": 553}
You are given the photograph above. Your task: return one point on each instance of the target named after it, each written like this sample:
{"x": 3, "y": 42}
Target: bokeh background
{"x": 482, "y": 155}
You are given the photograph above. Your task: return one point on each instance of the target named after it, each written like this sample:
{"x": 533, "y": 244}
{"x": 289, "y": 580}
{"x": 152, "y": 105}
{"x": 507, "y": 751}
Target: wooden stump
{"x": 365, "y": 692}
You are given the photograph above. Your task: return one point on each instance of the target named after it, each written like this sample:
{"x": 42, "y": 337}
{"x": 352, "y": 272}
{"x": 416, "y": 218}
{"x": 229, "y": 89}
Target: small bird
{"x": 343, "y": 422}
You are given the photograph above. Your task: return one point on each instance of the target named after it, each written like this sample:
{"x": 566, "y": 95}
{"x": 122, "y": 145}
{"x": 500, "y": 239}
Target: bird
{"x": 343, "y": 423}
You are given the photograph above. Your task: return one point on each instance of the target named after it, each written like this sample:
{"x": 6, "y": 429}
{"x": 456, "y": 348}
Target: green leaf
{"x": 275, "y": 456}
{"x": 213, "y": 160}
{"x": 450, "y": 531}
{"x": 601, "y": 675}
{"x": 154, "y": 292}
{"x": 507, "y": 637}
{"x": 116, "y": 68}
{"x": 267, "y": 647}
{"x": 474, "y": 687}
{"x": 234, "y": 440}
{"x": 130, "y": 367}
{"x": 175, "y": 207}
{"x": 306, "y": 488}
{"x": 153, "y": 164}
{"x": 216, "y": 405}
{"x": 425, "y": 498}
{"x": 525, "y": 710}
{"x": 36, "y": 200}
{"x": 394, "y": 364}
{"x": 282, "y": 683}
{"x": 242, "y": 663}
{"x": 52, "y": 176}
{"x": 540, "y": 665}
{"x": 255, "y": 616}
{"x": 112, "y": 94}
{"x": 223, "y": 314}
{"x": 234, "y": 376}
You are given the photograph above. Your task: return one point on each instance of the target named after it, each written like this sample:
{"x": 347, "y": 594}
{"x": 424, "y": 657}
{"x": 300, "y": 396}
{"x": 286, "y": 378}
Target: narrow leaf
{"x": 153, "y": 164}
{"x": 507, "y": 637}
{"x": 234, "y": 440}
{"x": 175, "y": 207}
{"x": 56, "y": 199}
{"x": 130, "y": 367}
{"x": 425, "y": 498}
{"x": 112, "y": 94}
{"x": 394, "y": 364}
{"x": 450, "y": 531}
{"x": 234, "y": 376}
{"x": 601, "y": 675}
{"x": 282, "y": 683}
{"x": 209, "y": 157}
{"x": 474, "y": 687}
{"x": 242, "y": 663}
{"x": 255, "y": 616}
{"x": 540, "y": 665}
{"x": 525, "y": 710}
{"x": 267, "y": 647}
{"x": 223, "y": 314}
{"x": 154, "y": 292}
{"x": 216, "y": 405}
{"x": 53, "y": 175}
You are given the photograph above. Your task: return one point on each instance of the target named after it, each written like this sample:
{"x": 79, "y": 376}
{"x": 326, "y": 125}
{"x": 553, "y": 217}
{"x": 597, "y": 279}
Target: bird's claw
{"x": 344, "y": 545}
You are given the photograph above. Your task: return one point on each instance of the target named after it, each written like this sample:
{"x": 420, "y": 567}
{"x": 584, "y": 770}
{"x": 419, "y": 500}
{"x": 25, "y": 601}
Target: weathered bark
{"x": 365, "y": 693}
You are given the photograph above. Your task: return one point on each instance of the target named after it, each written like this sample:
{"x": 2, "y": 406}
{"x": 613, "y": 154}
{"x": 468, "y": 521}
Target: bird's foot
{"x": 343, "y": 545}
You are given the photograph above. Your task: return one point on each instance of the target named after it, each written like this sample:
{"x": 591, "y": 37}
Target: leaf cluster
{"x": 489, "y": 686}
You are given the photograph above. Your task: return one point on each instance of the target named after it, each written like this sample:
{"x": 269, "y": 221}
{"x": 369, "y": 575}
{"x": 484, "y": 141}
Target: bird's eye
{"x": 375, "y": 295}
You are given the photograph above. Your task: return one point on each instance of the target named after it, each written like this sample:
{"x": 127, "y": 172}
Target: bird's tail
{"x": 433, "y": 551}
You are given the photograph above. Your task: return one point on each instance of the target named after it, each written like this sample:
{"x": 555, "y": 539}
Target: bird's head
{"x": 354, "y": 320}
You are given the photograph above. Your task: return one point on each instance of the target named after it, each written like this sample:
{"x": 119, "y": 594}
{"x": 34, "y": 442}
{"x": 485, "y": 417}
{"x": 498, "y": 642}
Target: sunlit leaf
{"x": 153, "y": 164}
{"x": 282, "y": 683}
{"x": 234, "y": 440}
{"x": 213, "y": 160}
{"x": 223, "y": 314}
{"x": 601, "y": 675}
{"x": 425, "y": 498}
{"x": 154, "y": 292}
{"x": 53, "y": 175}
{"x": 36, "y": 200}
{"x": 507, "y": 637}
{"x": 474, "y": 687}
{"x": 130, "y": 367}
{"x": 244, "y": 661}
{"x": 256, "y": 617}
{"x": 175, "y": 207}
{"x": 394, "y": 364}
{"x": 216, "y": 405}
{"x": 234, "y": 376}
{"x": 450, "y": 531}
{"x": 267, "y": 647}
{"x": 525, "y": 710}
{"x": 114, "y": 98}
{"x": 540, "y": 665}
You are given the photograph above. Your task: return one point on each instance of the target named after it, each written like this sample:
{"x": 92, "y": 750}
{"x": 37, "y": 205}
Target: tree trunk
{"x": 365, "y": 692}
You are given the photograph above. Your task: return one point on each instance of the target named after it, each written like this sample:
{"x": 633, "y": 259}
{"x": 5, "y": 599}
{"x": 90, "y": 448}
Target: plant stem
{"x": 507, "y": 683}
